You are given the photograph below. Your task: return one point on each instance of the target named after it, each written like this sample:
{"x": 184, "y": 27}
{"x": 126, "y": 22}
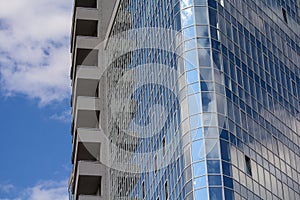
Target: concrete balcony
{"x": 85, "y": 23}
{"x": 87, "y": 145}
{"x": 86, "y": 83}
{"x": 83, "y": 42}
{"x": 86, "y": 13}
{"x": 88, "y": 180}
{"x": 86, "y": 113}
{"x": 85, "y": 53}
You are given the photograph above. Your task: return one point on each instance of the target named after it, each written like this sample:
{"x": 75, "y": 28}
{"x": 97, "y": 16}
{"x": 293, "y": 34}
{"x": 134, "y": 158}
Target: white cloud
{"x": 45, "y": 190}
{"x": 65, "y": 116}
{"x": 48, "y": 190}
{"x": 34, "y": 48}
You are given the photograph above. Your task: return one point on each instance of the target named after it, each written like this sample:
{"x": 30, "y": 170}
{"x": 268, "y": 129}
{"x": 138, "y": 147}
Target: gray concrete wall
{"x": 106, "y": 8}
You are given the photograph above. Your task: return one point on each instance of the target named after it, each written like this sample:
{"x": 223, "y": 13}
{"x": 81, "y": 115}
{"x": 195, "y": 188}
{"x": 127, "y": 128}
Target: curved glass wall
{"x": 226, "y": 124}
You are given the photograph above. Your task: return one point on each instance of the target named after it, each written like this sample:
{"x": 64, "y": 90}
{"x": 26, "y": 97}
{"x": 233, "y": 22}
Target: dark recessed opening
{"x": 87, "y": 27}
{"x": 97, "y": 91}
{"x": 98, "y": 115}
{"x": 87, "y": 151}
{"x": 155, "y": 163}
{"x": 284, "y": 15}
{"x": 164, "y": 145}
{"x": 88, "y": 57}
{"x": 143, "y": 189}
{"x": 166, "y": 190}
{"x": 86, "y": 3}
{"x": 89, "y": 185}
{"x": 248, "y": 165}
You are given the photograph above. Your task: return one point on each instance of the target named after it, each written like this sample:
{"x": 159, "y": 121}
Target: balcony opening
{"x": 87, "y": 27}
{"x": 166, "y": 190}
{"x": 72, "y": 127}
{"x": 155, "y": 163}
{"x": 87, "y": 112}
{"x": 86, "y": 3}
{"x": 85, "y": 87}
{"x": 87, "y": 151}
{"x": 284, "y": 15}
{"x": 97, "y": 91}
{"x": 143, "y": 190}
{"x": 88, "y": 57}
{"x": 98, "y": 116}
{"x": 164, "y": 145}
{"x": 99, "y": 193}
{"x": 248, "y": 165}
{"x": 89, "y": 185}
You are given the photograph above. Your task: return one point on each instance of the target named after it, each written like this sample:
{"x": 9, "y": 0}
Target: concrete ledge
{"x": 89, "y": 197}
{"x": 87, "y": 13}
{"x": 88, "y": 72}
{"x": 88, "y": 135}
{"x": 87, "y": 103}
{"x": 90, "y": 169}
{"x": 87, "y": 42}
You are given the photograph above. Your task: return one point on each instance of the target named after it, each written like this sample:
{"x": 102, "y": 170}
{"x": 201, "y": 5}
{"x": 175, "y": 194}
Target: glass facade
{"x": 226, "y": 125}
{"x": 154, "y": 164}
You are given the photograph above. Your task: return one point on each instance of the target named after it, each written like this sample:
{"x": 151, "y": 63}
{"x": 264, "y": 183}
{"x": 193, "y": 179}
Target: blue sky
{"x": 35, "y": 148}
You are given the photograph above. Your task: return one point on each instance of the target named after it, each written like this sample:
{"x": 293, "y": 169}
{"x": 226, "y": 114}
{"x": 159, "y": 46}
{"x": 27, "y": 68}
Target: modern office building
{"x": 185, "y": 99}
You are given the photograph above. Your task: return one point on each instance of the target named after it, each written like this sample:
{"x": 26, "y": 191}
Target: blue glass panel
{"x": 194, "y": 104}
{"x": 225, "y": 153}
{"x": 203, "y": 43}
{"x": 216, "y": 56}
{"x": 214, "y": 180}
{"x": 198, "y": 150}
{"x": 202, "y": 31}
{"x": 201, "y": 194}
{"x": 201, "y": 15}
{"x": 215, "y": 194}
{"x": 186, "y": 3}
{"x": 211, "y": 132}
{"x": 205, "y": 74}
{"x": 199, "y": 169}
{"x": 206, "y": 86}
{"x": 197, "y": 134}
{"x": 191, "y": 60}
{"x": 200, "y": 182}
{"x": 212, "y": 148}
{"x": 229, "y": 194}
{"x": 192, "y": 76}
{"x": 187, "y": 17}
{"x": 213, "y": 167}
{"x": 212, "y": 3}
{"x": 224, "y": 135}
{"x": 228, "y": 182}
{"x": 193, "y": 88}
{"x": 200, "y": 2}
{"x": 191, "y": 44}
{"x": 208, "y": 102}
{"x": 226, "y": 167}
{"x": 204, "y": 57}
{"x": 213, "y": 17}
{"x": 195, "y": 121}
{"x": 189, "y": 33}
